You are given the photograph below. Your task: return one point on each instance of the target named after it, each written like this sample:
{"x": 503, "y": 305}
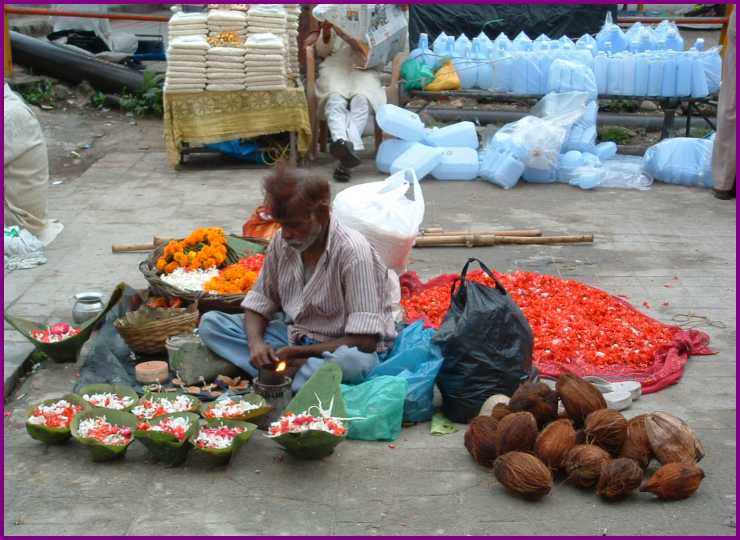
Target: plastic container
{"x": 668, "y": 88}
{"x": 566, "y": 43}
{"x": 614, "y": 75}
{"x": 501, "y": 44}
{"x": 541, "y": 43}
{"x": 655, "y": 76}
{"x": 606, "y": 150}
{"x": 457, "y": 164}
{"x": 699, "y": 87}
{"x": 521, "y": 42}
{"x": 467, "y": 70}
{"x": 508, "y": 172}
{"x": 534, "y": 76}
{"x": 586, "y": 41}
{"x": 681, "y": 160}
{"x": 601, "y": 63}
{"x": 502, "y": 74}
{"x": 698, "y": 45}
{"x": 484, "y": 73}
{"x": 460, "y": 135}
{"x": 642, "y": 69}
{"x": 424, "y": 52}
{"x": 539, "y": 176}
{"x": 683, "y": 76}
{"x": 462, "y": 45}
{"x": 628, "y": 75}
{"x": 388, "y": 151}
{"x": 419, "y": 157}
{"x": 518, "y": 74}
{"x": 400, "y": 123}
{"x": 673, "y": 40}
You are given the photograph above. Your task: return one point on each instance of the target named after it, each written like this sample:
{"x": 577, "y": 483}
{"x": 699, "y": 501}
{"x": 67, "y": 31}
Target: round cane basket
{"x": 150, "y": 338}
{"x": 229, "y": 303}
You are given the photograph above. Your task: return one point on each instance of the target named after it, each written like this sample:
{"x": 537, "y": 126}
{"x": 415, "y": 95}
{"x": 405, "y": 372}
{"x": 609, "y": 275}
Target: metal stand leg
{"x": 669, "y": 114}
{"x": 688, "y": 117}
{"x": 293, "y": 156}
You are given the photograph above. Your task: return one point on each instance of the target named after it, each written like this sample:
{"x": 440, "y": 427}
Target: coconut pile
{"x": 527, "y": 443}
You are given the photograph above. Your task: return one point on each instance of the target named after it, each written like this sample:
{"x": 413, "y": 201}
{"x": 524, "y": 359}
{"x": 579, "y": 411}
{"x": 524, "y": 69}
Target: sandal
{"x": 633, "y": 388}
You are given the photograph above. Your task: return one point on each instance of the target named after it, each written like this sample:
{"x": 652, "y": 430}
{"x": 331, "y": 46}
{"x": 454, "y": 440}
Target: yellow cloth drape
{"x": 200, "y": 118}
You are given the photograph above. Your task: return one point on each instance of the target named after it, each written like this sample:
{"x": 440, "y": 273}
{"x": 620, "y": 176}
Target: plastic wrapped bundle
{"x": 225, "y": 69}
{"x": 265, "y": 62}
{"x": 221, "y": 20}
{"x": 683, "y": 160}
{"x": 293, "y": 13}
{"x": 186, "y": 65}
{"x": 187, "y": 24}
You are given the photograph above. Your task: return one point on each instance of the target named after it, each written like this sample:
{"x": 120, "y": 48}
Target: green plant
{"x": 617, "y": 134}
{"x": 40, "y": 93}
{"x": 97, "y": 100}
{"x": 149, "y": 101}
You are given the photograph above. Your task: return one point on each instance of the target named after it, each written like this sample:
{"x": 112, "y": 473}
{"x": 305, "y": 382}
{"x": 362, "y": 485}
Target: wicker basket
{"x": 150, "y": 338}
{"x": 229, "y": 303}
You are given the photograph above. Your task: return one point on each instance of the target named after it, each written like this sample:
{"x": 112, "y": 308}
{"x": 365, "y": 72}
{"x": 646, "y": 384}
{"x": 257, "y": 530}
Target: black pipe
{"x": 58, "y": 61}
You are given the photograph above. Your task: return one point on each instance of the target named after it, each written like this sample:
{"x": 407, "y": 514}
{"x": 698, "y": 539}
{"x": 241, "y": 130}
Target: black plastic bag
{"x": 487, "y": 346}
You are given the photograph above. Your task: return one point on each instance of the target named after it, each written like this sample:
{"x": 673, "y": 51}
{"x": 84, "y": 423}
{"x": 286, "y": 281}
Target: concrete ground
{"x": 421, "y": 484}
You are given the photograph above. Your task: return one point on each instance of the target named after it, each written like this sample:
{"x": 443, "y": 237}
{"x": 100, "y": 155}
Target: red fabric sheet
{"x": 667, "y": 365}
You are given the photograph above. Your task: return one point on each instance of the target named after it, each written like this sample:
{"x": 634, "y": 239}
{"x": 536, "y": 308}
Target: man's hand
{"x": 288, "y": 353}
{"x": 261, "y": 355}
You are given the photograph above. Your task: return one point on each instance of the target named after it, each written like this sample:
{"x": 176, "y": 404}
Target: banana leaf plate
{"x": 51, "y": 435}
{"x": 165, "y": 447}
{"x": 98, "y": 450}
{"x": 222, "y": 456}
{"x": 252, "y": 398}
{"x": 118, "y": 389}
{"x": 195, "y": 403}
{"x": 69, "y": 349}
{"x": 322, "y": 389}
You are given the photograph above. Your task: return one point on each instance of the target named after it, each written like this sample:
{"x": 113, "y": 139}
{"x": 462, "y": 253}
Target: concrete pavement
{"x": 426, "y": 484}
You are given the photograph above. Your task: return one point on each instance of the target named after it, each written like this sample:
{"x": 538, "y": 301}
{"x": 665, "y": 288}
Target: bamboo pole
{"x": 131, "y": 248}
{"x": 477, "y": 240}
{"x": 514, "y": 232}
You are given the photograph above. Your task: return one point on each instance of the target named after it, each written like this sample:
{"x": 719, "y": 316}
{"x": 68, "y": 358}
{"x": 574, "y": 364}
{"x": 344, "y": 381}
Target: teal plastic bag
{"x": 380, "y": 403}
{"x": 416, "y": 359}
{"x": 416, "y": 74}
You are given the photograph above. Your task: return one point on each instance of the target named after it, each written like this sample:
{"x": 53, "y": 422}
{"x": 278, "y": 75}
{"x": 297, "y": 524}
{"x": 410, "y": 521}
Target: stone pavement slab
{"x": 669, "y": 235}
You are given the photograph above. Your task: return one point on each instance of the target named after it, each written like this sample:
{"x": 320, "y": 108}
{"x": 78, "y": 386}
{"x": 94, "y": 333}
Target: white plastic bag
{"x": 620, "y": 172}
{"x": 383, "y": 213}
{"x": 22, "y": 250}
{"x": 683, "y": 160}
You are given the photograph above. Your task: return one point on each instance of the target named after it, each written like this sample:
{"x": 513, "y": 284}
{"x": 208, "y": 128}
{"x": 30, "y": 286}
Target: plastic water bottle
{"x": 673, "y": 40}
{"x": 566, "y": 43}
{"x": 502, "y": 74}
{"x": 533, "y": 73}
{"x": 655, "y": 76}
{"x": 420, "y": 157}
{"x": 466, "y": 69}
{"x": 519, "y": 73}
{"x": 683, "y": 76}
{"x": 540, "y": 43}
{"x": 522, "y": 42}
{"x": 699, "y": 88}
{"x": 461, "y": 134}
{"x": 642, "y": 68}
{"x": 400, "y": 123}
{"x": 614, "y": 76}
{"x": 388, "y": 151}
{"x": 601, "y": 62}
{"x": 484, "y": 78}
{"x": 457, "y": 164}
{"x": 628, "y": 75}
{"x": 698, "y": 45}
{"x": 669, "y": 77}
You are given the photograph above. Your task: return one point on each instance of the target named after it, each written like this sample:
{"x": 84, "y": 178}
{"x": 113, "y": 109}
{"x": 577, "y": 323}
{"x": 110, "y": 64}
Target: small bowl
{"x": 153, "y": 371}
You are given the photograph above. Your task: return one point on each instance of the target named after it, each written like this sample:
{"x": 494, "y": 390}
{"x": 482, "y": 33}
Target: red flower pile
{"x": 55, "y": 333}
{"x": 573, "y": 324}
{"x": 253, "y": 262}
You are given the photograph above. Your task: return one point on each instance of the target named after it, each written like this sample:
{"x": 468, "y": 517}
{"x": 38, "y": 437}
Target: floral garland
{"x": 174, "y": 426}
{"x": 151, "y": 408}
{"x": 108, "y": 400}
{"x": 203, "y": 249}
{"x": 237, "y": 278}
{"x": 101, "y": 430}
{"x": 217, "y": 437}
{"x": 55, "y": 333}
{"x": 57, "y": 415}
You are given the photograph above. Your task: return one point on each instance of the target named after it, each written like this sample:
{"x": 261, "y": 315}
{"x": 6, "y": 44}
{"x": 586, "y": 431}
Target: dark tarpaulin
{"x": 555, "y": 20}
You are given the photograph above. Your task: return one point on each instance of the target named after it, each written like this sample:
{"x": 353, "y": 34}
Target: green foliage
{"x": 97, "y": 100}
{"x": 40, "y": 93}
{"x": 617, "y": 134}
{"x": 149, "y": 101}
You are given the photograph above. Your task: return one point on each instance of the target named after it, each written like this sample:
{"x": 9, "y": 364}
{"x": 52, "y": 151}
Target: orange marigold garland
{"x": 237, "y": 278}
{"x": 203, "y": 249}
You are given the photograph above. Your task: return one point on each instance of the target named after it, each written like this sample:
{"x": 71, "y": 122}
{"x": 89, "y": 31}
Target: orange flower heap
{"x": 203, "y": 249}
{"x": 237, "y": 278}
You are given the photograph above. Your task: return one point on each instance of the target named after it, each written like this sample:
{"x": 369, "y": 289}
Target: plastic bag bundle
{"x": 377, "y": 405}
{"x": 446, "y": 78}
{"x": 620, "y": 172}
{"x": 582, "y": 134}
{"x": 683, "y": 160}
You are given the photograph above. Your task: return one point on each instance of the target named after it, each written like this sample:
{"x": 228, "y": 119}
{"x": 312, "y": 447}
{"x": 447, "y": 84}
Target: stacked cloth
{"x": 225, "y": 69}
{"x": 186, "y": 64}
{"x": 221, "y": 20}
{"x": 187, "y": 24}
{"x": 265, "y": 62}
{"x": 293, "y": 12}
{"x": 268, "y": 18}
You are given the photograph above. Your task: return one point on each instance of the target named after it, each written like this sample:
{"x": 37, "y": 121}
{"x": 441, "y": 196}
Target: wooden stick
{"x": 472, "y": 240}
{"x": 514, "y": 232}
{"x": 130, "y": 248}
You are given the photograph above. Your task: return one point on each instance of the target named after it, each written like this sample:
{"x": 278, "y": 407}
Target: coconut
{"x": 674, "y": 481}
{"x": 637, "y": 445}
{"x": 618, "y": 478}
{"x": 523, "y": 474}
{"x": 480, "y": 440}
{"x": 583, "y": 464}
{"x": 537, "y": 398}
{"x": 672, "y": 440}
{"x": 606, "y": 428}
{"x": 491, "y": 402}
{"x": 516, "y": 432}
{"x": 580, "y": 398}
{"x": 554, "y": 442}
{"x": 500, "y": 410}
{"x": 580, "y": 436}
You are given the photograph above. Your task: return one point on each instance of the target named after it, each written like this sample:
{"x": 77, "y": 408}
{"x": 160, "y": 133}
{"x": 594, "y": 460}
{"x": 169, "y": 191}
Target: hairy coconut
{"x": 674, "y": 481}
{"x": 500, "y": 410}
{"x": 580, "y": 398}
{"x": 637, "y": 445}
{"x": 554, "y": 442}
{"x": 516, "y": 432}
{"x": 523, "y": 474}
{"x": 618, "y": 478}
{"x": 537, "y": 398}
{"x": 480, "y": 440}
{"x": 580, "y": 436}
{"x": 672, "y": 440}
{"x": 606, "y": 428}
{"x": 583, "y": 464}
{"x": 488, "y": 405}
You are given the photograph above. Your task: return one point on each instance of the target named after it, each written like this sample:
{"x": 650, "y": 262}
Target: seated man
{"x": 329, "y": 283}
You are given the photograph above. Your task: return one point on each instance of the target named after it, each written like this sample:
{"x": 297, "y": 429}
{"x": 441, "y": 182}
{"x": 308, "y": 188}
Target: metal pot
{"x": 88, "y": 305}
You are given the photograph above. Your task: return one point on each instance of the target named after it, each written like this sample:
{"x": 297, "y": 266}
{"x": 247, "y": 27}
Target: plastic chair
{"x": 319, "y": 128}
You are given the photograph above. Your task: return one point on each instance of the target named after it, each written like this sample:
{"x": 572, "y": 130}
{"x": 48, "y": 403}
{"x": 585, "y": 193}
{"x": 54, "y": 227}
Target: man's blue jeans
{"x": 224, "y": 334}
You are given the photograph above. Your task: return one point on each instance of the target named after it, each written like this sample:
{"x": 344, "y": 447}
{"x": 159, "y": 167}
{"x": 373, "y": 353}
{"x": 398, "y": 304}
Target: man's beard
{"x": 302, "y": 245}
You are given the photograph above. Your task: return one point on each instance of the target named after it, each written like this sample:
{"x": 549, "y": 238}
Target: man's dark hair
{"x": 290, "y": 192}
